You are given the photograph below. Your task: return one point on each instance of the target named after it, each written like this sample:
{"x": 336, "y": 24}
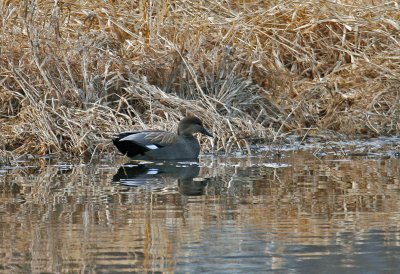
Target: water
{"x": 297, "y": 213}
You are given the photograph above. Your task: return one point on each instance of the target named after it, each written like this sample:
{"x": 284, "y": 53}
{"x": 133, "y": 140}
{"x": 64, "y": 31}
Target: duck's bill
{"x": 205, "y": 132}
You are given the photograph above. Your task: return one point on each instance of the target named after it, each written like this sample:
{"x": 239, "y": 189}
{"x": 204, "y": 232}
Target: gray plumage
{"x": 163, "y": 145}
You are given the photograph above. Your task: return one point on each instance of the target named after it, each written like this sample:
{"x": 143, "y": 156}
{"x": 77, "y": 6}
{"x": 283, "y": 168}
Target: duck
{"x": 163, "y": 145}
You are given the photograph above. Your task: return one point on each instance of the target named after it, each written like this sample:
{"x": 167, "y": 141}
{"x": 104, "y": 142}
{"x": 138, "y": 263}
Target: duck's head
{"x": 190, "y": 125}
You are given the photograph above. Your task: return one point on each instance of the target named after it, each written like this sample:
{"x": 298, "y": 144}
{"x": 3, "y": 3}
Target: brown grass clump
{"x": 72, "y": 73}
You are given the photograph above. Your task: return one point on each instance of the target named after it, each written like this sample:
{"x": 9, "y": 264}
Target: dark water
{"x": 326, "y": 212}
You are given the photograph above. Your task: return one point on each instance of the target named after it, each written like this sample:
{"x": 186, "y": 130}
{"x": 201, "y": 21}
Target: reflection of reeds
{"x": 74, "y": 73}
{"x": 59, "y": 218}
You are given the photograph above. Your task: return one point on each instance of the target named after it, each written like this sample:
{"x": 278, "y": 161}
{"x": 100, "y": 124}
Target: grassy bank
{"x": 72, "y": 73}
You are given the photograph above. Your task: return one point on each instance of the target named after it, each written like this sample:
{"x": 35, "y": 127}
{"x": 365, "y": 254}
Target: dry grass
{"x": 72, "y": 73}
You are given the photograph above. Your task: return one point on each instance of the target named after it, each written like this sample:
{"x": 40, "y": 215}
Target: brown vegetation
{"x": 72, "y": 73}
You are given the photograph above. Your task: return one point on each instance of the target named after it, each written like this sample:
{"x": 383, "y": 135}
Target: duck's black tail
{"x": 128, "y": 148}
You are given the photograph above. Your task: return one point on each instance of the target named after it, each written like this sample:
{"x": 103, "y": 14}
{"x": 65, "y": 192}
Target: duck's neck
{"x": 185, "y": 134}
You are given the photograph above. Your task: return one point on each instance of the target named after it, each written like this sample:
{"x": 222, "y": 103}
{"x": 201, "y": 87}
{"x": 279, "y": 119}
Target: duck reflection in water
{"x": 163, "y": 174}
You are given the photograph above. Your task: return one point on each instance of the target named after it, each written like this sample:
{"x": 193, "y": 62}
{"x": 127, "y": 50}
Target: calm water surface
{"x": 297, "y": 213}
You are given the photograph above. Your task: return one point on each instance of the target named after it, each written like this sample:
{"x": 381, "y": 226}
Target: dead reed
{"x": 72, "y": 73}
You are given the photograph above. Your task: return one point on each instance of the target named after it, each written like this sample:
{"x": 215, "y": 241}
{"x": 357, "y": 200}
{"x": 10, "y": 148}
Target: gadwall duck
{"x": 163, "y": 145}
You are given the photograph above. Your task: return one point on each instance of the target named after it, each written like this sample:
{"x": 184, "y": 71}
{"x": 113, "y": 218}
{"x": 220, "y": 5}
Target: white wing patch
{"x": 152, "y": 171}
{"x": 151, "y": 146}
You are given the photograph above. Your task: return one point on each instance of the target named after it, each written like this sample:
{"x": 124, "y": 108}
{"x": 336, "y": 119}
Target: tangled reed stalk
{"x": 73, "y": 73}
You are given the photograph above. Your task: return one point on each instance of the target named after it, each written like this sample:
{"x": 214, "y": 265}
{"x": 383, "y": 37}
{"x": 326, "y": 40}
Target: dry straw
{"x": 72, "y": 73}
